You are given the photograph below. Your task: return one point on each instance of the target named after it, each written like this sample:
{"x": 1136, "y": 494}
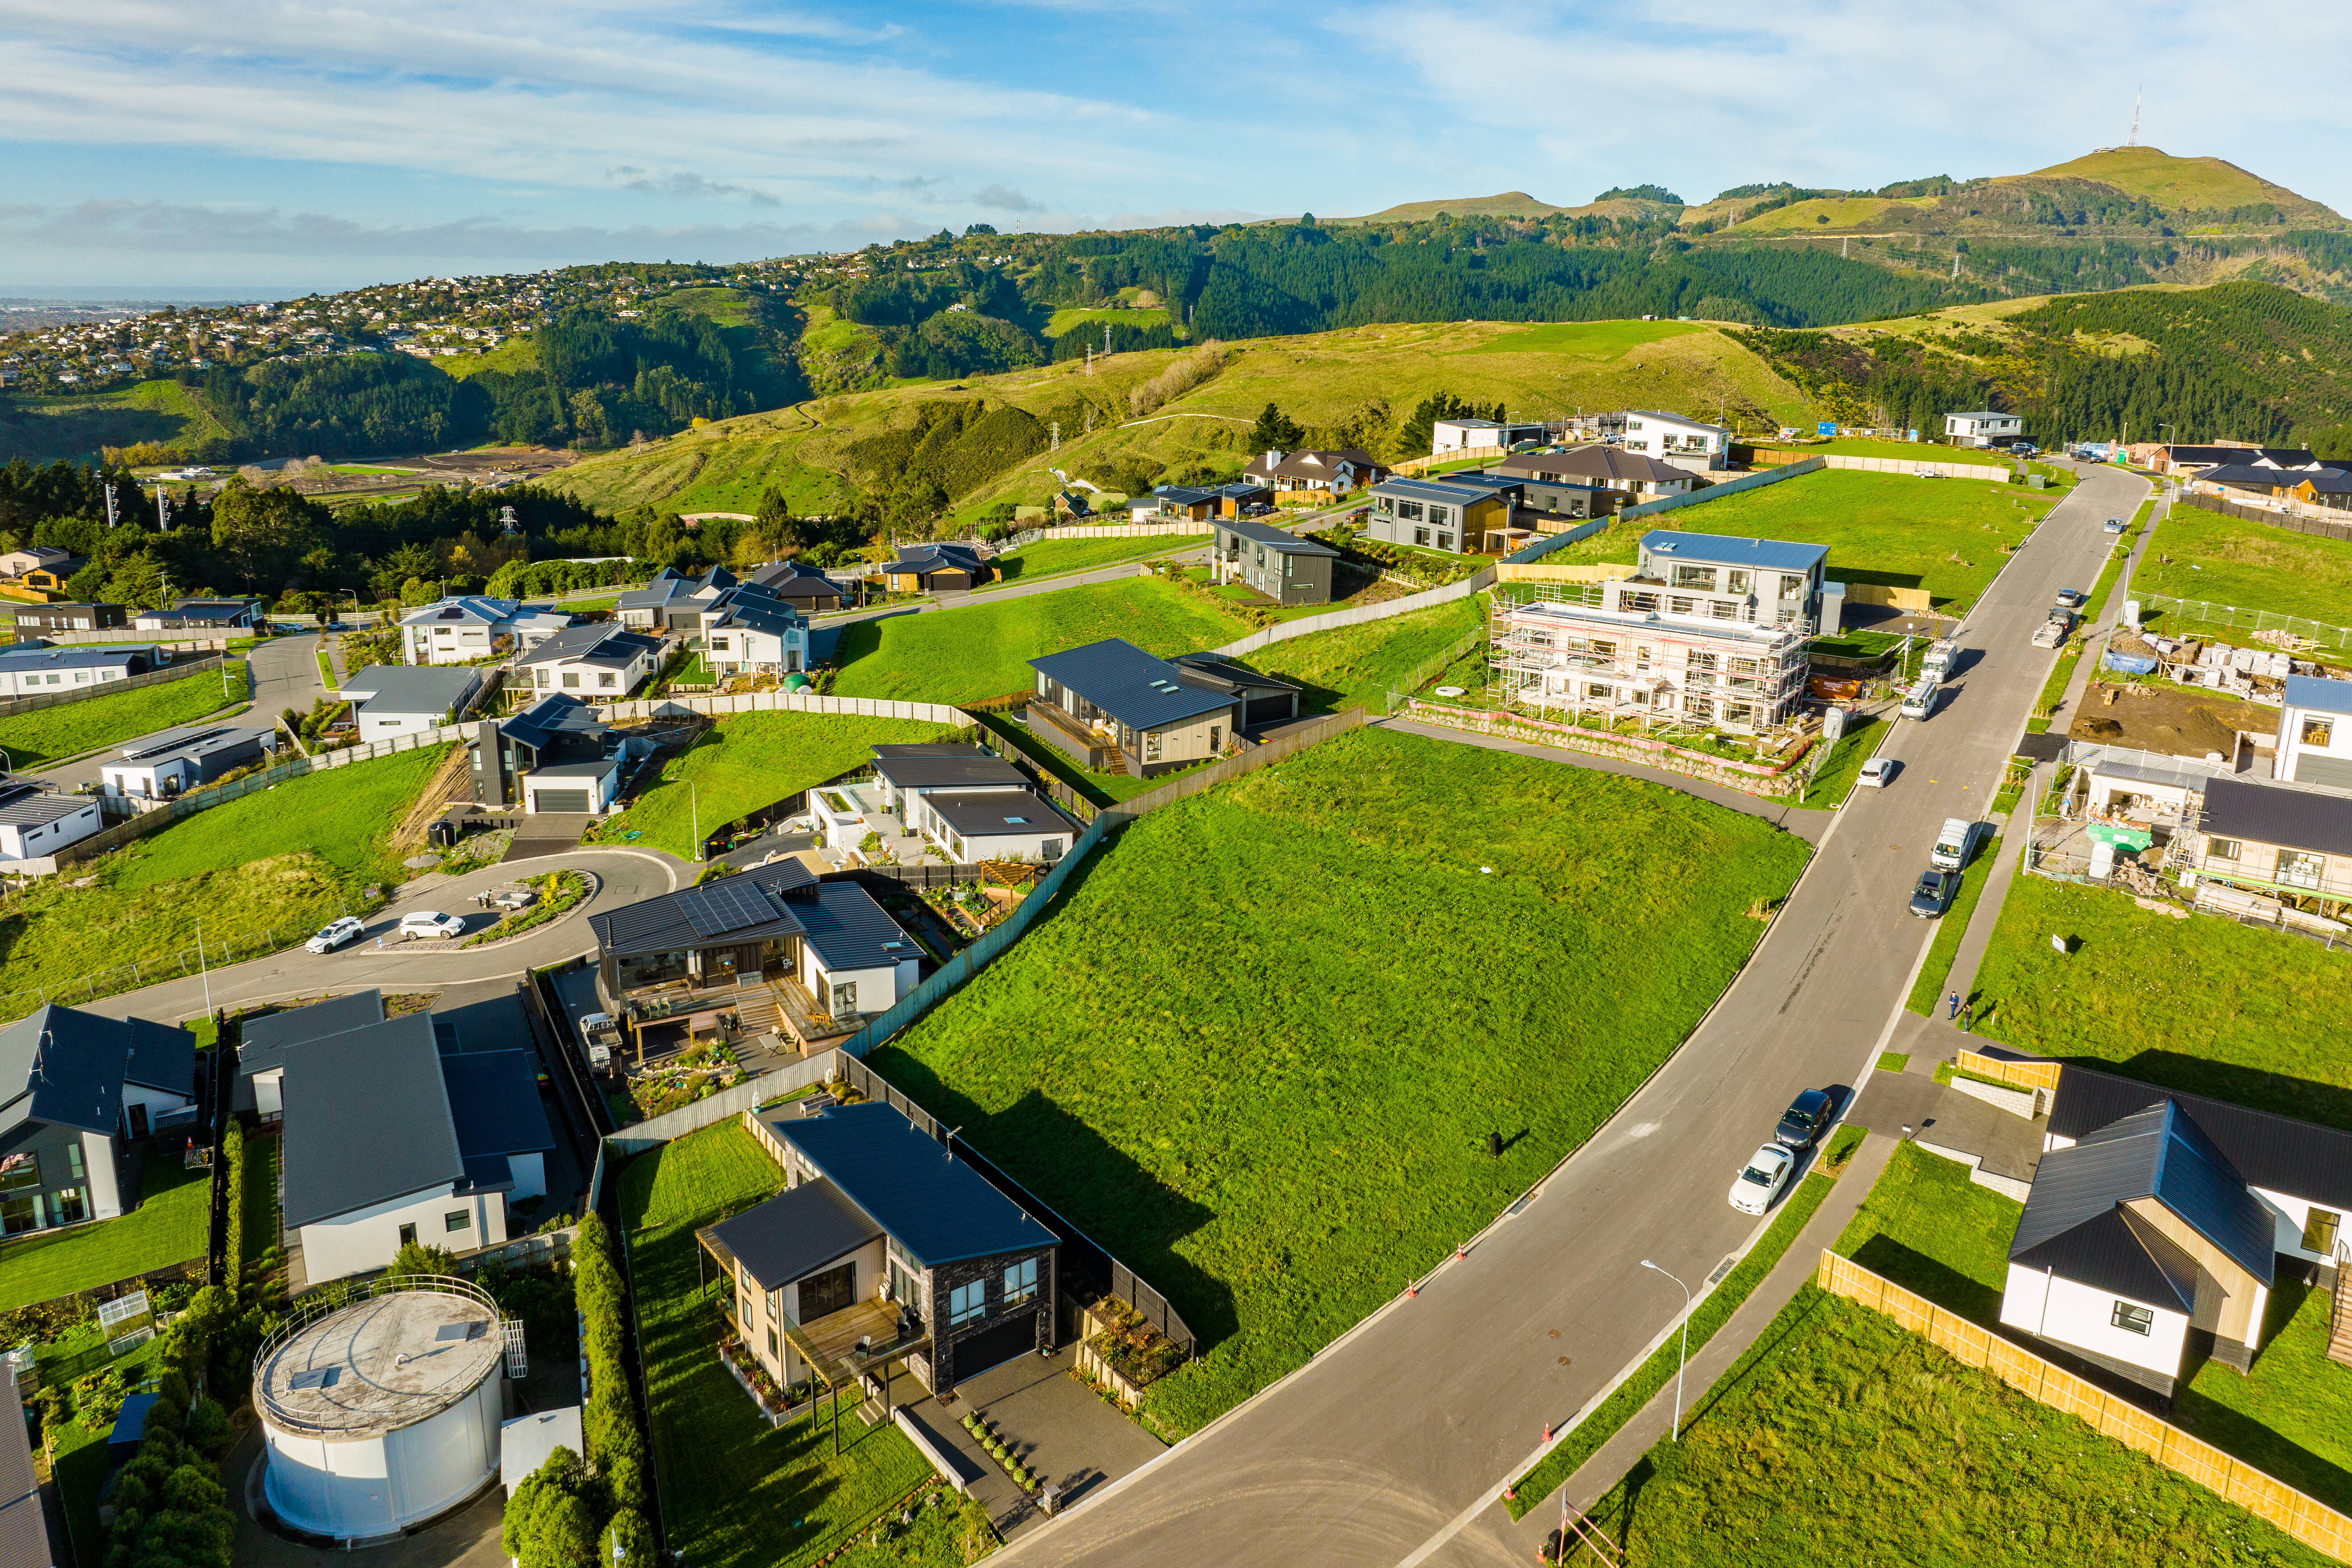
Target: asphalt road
{"x": 1392, "y": 1446}
{"x": 284, "y": 675}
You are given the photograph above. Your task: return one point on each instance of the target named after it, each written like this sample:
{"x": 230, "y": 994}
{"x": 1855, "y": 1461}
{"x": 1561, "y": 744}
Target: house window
{"x": 966, "y": 1303}
{"x": 1683, "y": 606}
{"x": 1020, "y": 1284}
{"x": 1640, "y": 603}
{"x": 1419, "y": 537}
{"x": 771, "y": 1344}
{"x": 70, "y": 1207}
{"x": 1701, "y": 577}
{"x": 606, "y": 679}
{"x": 2318, "y": 732}
{"x": 1215, "y": 732}
{"x": 1597, "y": 691}
{"x": 1699, "y": 707}
{"x": 457, "y": 1219}
{"x": 2223, "y": 849}
{"x": 844, "y": 998}
{"x": 2132, "y": 1319}
{"x": 571, "y": 680}
{"x": 1736, "y": 582}
{"x": 20, "y": 1193}
{"x": 2319, "y": 1232}
{"x": 2300, "y": 868}
{"x": 1791, "y": 586}
{"x": 1723, "y": 609}
{"x": 1738, "y": 713}
{"x": 1440, "y": 514}
{"x": 1151, "y": 745}
{"x": 407, "y": 1236}
{"x": 719, "y": 645}
{"x": 1445, "y": 541}
{"x": 1409, "y": 510}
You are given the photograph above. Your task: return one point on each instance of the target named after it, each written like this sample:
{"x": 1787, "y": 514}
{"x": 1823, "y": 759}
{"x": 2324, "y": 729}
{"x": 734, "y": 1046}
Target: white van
{"x": 1953, "y": 843}
{"x": 1942, "y": 654}
{"x": 1920, "y": 700}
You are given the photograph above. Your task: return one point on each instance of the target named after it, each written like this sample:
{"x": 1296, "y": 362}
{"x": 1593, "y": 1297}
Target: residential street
{"x": 284, "y": 675}
{"x": 1392, "y": 1447}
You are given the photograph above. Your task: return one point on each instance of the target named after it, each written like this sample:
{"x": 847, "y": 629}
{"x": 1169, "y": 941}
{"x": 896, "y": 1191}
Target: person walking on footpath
{"x": 1952, "y": 1007}
{"x": 1969, "y": 1019}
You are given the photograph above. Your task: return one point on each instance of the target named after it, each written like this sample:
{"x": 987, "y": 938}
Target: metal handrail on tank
{"x": 325, "y": 1305}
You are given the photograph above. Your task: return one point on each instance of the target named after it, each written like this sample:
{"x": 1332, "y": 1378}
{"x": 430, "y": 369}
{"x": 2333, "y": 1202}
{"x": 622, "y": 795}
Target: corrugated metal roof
{"x": 606, "y": 642}
{"x": 554, "y": 715}
{"x": 29, "y": 806}
{"x": 1130, "y": 685}
{"x": 24, "y": 1531}
{"x": 939, "y": 1208}
{"x": 661, "y": 924}
{"x": 2279, "y": 814}
{"x": 1723, "y": 550}
{"x": 796, "y": 1233}
{"x": 367, "y": 1120}
{"x": 1272, "y": 538}
{"x": 2315, "y": 691}
{"x": 494, "y": 1102}
{"x": 2157, "y": 1153}
{"x": 162, "y": 1056}
{"x": 1223, "y": 674}
{"x": 263, "y": 1041}
{"x": 1432, "y": 489}
{"x": 993, "y": 812}
{"x": 64, "y": 1067}
{"x": 938, "y": 766}
{"x": 2116, "y": 1253}
{"x": 410, "y": 687}
{"x": 847, "y": 930}
{"x": 2278, "y": 1153}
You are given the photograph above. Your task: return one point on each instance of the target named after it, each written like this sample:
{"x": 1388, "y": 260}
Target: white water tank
{"x": 384, "y": 1413}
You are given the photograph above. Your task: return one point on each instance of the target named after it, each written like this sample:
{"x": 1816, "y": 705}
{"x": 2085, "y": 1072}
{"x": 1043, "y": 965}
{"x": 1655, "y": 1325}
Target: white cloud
{"x": 1003, "y": 198}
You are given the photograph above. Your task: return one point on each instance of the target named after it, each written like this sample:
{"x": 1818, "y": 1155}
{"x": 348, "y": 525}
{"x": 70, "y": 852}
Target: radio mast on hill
{"x": 2132, "y": 140}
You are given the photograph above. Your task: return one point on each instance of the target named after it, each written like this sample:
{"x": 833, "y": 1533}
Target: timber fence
{"x": 2319, "y": 528}
{"x": 1773, "y": 780}
{"x": 2306, "y": 1519}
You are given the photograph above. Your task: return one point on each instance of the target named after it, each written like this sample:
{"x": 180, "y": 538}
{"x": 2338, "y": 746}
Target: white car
{"x": 334, "y": 933}
{"x": 1877, "y": 772}
{"x": 1761, "y": 1179}
{"x": 427, "y": 922}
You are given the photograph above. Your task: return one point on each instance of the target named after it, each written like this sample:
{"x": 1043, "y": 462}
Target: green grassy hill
{"x": 42, "y": 429}
{"x": 2194, "y": 184}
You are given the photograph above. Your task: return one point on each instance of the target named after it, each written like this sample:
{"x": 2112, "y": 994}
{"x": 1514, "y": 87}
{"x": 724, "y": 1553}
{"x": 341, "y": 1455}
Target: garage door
{"x": 993, "y": 1347}
{"x": 561, "y": 799}
{"x": 1265, "y": 709}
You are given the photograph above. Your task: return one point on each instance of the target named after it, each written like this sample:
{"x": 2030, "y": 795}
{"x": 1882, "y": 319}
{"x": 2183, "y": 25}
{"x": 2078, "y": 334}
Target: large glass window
{"x": 2298, "y": 869}
{"x": 20, "y": 1193}
{"x": 2132, "y": 1319}
{"x": 1020, "y": 1284}
{"x": 2319, "y": 1231}
{"x": 844, "y": 998}
{"x": 966, "y": 1303}
{"x": 648, "y": 969}
{"x": 2318, "y": 732}
{"x": 1694, "y": 577}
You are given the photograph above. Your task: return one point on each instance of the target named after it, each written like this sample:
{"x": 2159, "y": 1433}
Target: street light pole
{"x": 1683, "y": 1361}
{"x": 694, "y": 802}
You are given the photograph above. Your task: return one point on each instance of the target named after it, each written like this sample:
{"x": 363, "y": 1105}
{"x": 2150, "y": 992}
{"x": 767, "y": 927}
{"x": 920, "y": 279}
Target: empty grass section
{"x": 983, "y": 650}
{"x": 170, "y": 1225}
{"x": 2202, "y": 1005}
{"x": 736, "y": 1493}
{"x": 1359, "y": 666}
{"x": 1221, "y": 1056}
{"x": 46, "y": 734}
{"x": 748, "y": 761}
{"x": 2256, "y": 566}
{"x": 1045, "y": 557}
{"x": 1930, "y": 1229}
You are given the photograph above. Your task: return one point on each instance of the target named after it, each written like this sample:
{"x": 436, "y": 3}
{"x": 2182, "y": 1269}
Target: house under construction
{"x": 1610, "y": 648}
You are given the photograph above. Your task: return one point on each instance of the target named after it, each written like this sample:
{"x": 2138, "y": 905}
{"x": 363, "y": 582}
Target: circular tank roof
{"x": 380, "y": 1364}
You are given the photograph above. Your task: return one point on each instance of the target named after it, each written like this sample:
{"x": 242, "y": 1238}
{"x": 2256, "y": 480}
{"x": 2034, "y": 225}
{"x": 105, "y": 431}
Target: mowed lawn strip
{"x": 1353, "y": 667}
{"x": 287, "y": 856}
{"x": 983, "y": 649}
{"x": 1045, "y": 557}
{"x": 750, "y": 761}
{"x": 1928, "y": 991}
{"x": 69, "y": 729}
{"x": 170, "y": 1225}
{"x": 2202, "y": 1005}
{"x": 1258, "y": 1051}
{"x": 736, "y": 1493}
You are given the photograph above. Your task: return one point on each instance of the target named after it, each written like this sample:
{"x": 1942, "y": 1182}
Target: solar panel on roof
{"x": 722, "y": 907}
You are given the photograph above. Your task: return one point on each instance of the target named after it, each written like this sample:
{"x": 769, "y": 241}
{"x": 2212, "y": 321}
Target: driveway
{"x": 1392, "y": 1446}
{"x": 284, "y": 675}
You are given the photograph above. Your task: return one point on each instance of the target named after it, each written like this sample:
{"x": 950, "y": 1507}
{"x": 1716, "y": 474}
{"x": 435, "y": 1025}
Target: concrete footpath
{"x": 1655, "y": 1421}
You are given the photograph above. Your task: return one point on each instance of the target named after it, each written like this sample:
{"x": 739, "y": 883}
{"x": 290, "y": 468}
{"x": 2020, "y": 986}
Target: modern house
{"x": 1283, "y": 566}
{"x": 467, "y": 630}
{"x": 403, "y": 699}
{"x": 1264, "y": 699}
{"x": 884, "y": 1248}
{"x": 1680, "y": 442}
{"x": 1316, "y": 476}
{"x": 1479, "y": 435}
{"x": 44, "y": 670}
{"x": 972, "y": 826}
{"x": 1592, "y": 481}
{"x": 173, "y": 761}
{"x": 201, "y": 616}
{"x": 15, "y": 564}
{"x": 74, "y": 1087}
{"x": 908, "y": 772}
{"x": 388, "y": 1141}
{"x": 603, "y": 661}
{"x": 37, "y": 820}
{"x": 830, "y": 953}
{"x": 2188, "y": 462}
{"x": 1112, "y": 705}
{"x": 32, "y": 620}
{"x": 672, "y": 601}
{"x": 1189, "y": 503}
{"x": 2158, "y": 1223}
{"x": 804, "y": 588}
{"x": 929, "y": 568}
{"x": 1236, "y": 499}
{"x": 1768, "y": 582}
{"x": 263, "y": 1042}
{"x": 1635, "y": 657}
{"x": 555, "y": 755}
{"x": 751, "y": 631}
{"x": 2275, "y": 838}
{"x": 1434, "y": 514}
{"x": 2314, "y": 732}
{"x": 1984, "y": 428}
{"x": 2322, "y": 487}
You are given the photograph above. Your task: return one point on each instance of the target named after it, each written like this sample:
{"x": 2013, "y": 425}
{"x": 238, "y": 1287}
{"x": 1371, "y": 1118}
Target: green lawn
{"x": 2233, "y": 561}
{"x": 1861, "y": 737}
{"x": 46, "y": 734}
{"x": 1585, "y": 340}
{"x": 2202, "y": 1005}
{"x": 1901, "y": 451}
{"x": 1274, "y": 1100}
{"x": 1102, "y": 789}
{"x": 168, "y": 1226}
{"x": 282, "y": 859}
{"x": 1927, "y": 990}
{"x": 750, "y": 761}
{"x": 981, "y": 650}
{"x": 1931, "y": 1230}
{"x": 1047, "y": 556}
{"x": 78, "y": 1452}
{"x": 1841, "y": 1438}
{"x": 1630, "y": 1395}
{"x": 1358, "y": 666}
{"x": 735, "y": 1492}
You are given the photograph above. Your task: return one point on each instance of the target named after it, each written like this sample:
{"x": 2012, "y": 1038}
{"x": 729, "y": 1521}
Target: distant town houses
{"x": 1672, "y": 439}
{"x": 931, "y": 568}
{"x": 201, "y": 614}
{"x": 1481, "y": 434}
{"x": 35, "y": 619}
{"x": 1323, "y": 474}
{"x": 36, "y": 669}
{"x": 37, "y": 820}
{"x": 401, "y": 698}
{"x": 1984, "y": 428}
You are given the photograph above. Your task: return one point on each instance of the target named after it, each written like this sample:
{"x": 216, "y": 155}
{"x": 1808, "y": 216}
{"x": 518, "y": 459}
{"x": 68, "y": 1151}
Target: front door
{"x": 139, "y": 1121}
{"x": 828, "y": 1292}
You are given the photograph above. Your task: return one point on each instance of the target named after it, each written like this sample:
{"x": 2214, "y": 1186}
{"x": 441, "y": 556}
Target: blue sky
{"x": 281, "y": 145}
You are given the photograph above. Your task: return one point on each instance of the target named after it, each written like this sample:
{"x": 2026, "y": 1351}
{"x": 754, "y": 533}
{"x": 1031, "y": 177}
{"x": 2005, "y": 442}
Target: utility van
{"x": 2049, "y": 634}
{"x": 1952, "y": 845}
{"x": 1942, "y": 654}
{"x": 1920, "y": 700}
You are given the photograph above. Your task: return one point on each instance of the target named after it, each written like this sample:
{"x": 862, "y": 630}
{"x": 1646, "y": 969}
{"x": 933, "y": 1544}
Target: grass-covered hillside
{"x": 47, "y": 429}
{"x": 1258, "y": 1051}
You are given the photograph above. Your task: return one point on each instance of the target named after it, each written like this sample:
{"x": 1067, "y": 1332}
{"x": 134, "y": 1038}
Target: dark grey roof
{"x": 847, "y": 930}
{"x": 494, "y": 1102}
{"x": 796, "y": 1233}
{"x": 485, "y": 1173}
{"x": 939, "y": 1208}
{"x": 64, "y": 1067}
{"x": 554, "y": 715}
{"x": 684, "y": 918}
{"x": 1138, "y": 690}
{"x": 791, "y": 580}
{"x": 162, "y": 1056}
{"x": 2119, "y": 1253}
{"x": 18, "y": 658}
{"x": 1186, "y": 495}
{"x": 1272, "y": 538}
{"x": 938, "y": 766}
{"x": 1724, "y": 550}
{"x": 2157, "y": 1153}
{"x": 2275, "y": 813}
{"x": 1597, "y": 463}
{"x": 993, "y": 812}
{"x": 937, "y": 558}
{"x": 1223, "y": 674}
{"x": 593, "y": 768}
{"x": 2314, "y": 691}
{"x": 263, "y": 1041}
{"x": 2255, "y": 477}
{"x": 191, "y": 740}
{"x": 606, "y": 642}
{"x": 412, "y": 687}
{"x": 27, "y": 804}
{"x": 1438, "y": 489}
{"x": 367, "y": 1120}
{"x": 2277, "y": 1153}
{"x": 1242, "y": 490}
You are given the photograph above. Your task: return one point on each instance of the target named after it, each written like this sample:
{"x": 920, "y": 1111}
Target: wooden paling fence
{"x": 2306, "y": 1519}
{"x": 2023, "y": 1075}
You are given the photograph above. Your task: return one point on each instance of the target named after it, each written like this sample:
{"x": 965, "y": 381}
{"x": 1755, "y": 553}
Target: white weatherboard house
{"x": 1691, "y": 444}
{"x": 466, "y": 628}
{"x": 752, "y": 630}
{"x": 2158, "y": 1223}
{"x": 2314, "y": 733}
{"x": 401, "y": 698}
{"x": 36, "y": 820}
{"x": 170, "y": 762}
{"x": 1983, "y": 427}
{"x": 601, "y": 663}
{"x": 1478, "y": 435}
{"x": 39, "y": 670}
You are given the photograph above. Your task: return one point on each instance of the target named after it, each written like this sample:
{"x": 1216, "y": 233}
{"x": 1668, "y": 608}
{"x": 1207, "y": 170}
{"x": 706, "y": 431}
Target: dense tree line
{"x": 599, "y": 383}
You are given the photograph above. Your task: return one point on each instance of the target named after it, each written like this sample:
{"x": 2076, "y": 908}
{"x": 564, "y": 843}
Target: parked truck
{"x": 1942, "y": 655}
{"x": 2050, "y": 633}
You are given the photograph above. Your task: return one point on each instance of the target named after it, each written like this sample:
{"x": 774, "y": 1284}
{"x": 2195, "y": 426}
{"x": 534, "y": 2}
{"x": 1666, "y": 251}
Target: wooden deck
{"x": 829, "y": 1344}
